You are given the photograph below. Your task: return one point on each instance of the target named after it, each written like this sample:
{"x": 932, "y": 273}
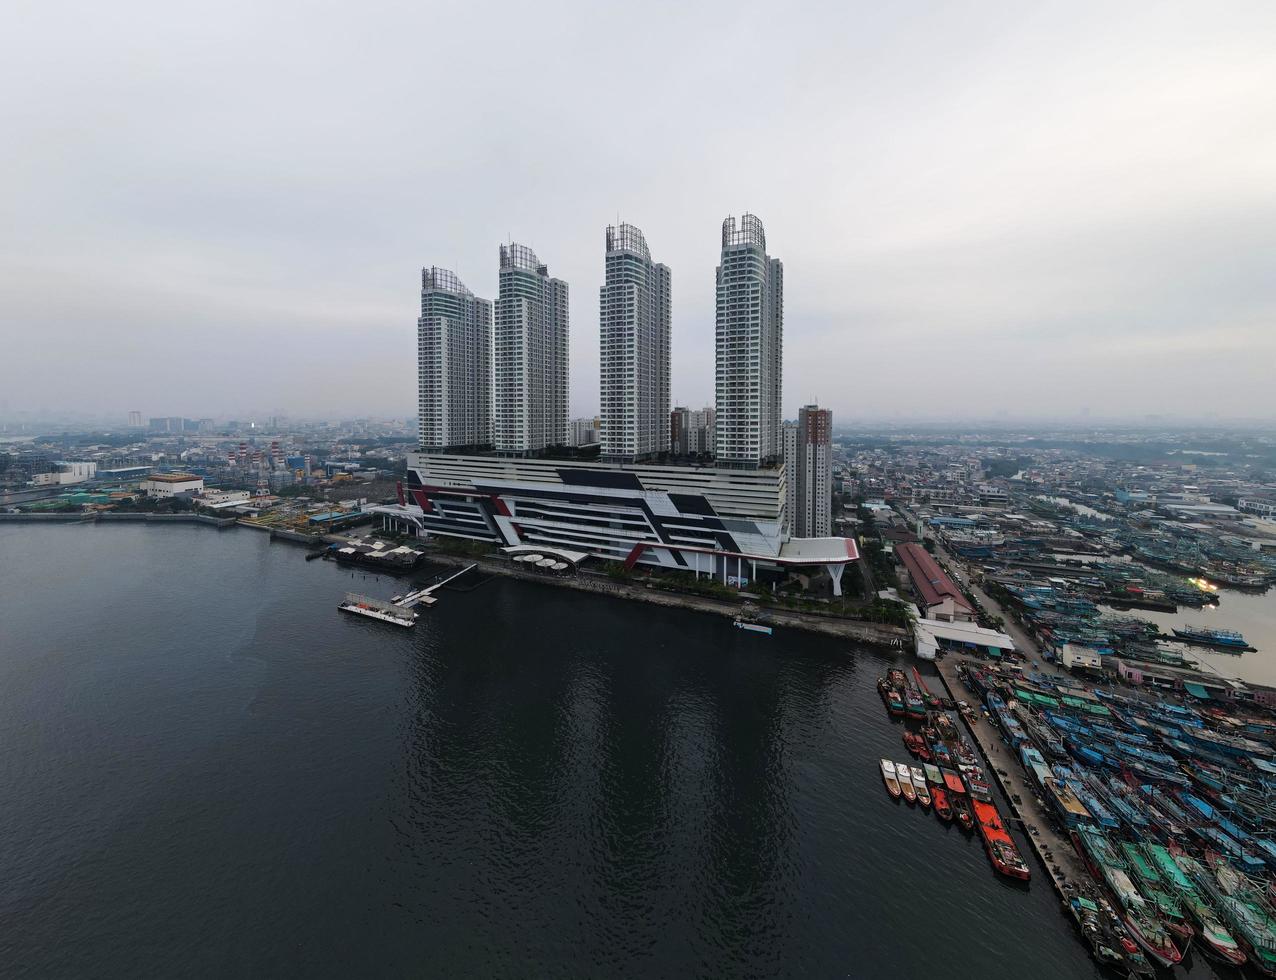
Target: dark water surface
{"x": 206, "y": 770}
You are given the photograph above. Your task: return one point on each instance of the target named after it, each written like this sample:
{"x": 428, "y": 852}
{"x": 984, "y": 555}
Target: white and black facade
{"x": 726, "y": 523}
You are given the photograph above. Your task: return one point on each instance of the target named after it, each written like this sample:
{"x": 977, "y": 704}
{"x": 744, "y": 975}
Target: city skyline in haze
{"x": 983, "y": 210}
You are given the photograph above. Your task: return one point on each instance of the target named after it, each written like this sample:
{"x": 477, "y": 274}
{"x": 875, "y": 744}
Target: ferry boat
{"x": 906, "y": 782}
{"x": 919, "y": 785}
{"x": 1212, "y": 638}
{"x": 889, "y": 777}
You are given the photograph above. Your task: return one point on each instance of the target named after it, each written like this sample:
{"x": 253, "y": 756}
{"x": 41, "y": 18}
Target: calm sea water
{"x": 1251, "y": 613}
{"x": 207, "y": 771}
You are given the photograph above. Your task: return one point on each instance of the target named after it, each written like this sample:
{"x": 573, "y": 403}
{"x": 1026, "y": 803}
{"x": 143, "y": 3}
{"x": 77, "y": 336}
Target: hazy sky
{"x": 224, "y": 208}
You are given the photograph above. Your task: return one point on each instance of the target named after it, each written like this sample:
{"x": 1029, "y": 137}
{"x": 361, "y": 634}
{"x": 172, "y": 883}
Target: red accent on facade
{"x": 819, "y": 426}
{"x": 422, "y": 500}
{"x": 635, "y": 553}
{"x": 500, "y": 506}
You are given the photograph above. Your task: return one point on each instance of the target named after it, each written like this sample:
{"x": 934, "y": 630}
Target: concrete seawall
{"x": 218, "y": 522}
{"x": 857, "y": 631}
{"x": 48, "y": 518}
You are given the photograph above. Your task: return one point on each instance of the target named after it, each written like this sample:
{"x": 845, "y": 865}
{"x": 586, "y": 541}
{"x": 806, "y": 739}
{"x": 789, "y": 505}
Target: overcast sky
{"x": 212, "y": 209}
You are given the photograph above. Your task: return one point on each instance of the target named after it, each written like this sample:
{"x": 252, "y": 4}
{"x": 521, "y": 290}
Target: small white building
{"x": 172, "y": 484}
{"x": 216, "y": 498}
{"x": 66, "y": 472}
{"x": 1076, "y": 657}
{"x": 933, "y": 635}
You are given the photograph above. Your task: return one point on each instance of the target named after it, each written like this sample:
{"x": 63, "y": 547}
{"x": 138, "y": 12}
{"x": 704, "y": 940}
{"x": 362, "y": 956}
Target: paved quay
{"x": 1054, "y": 851}
{"x": 858, "y": 631}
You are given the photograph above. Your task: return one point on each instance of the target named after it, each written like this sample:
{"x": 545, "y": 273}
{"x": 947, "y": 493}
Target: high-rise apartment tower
{"x": 529, "y": 373}
{"x": 634, "y": 314}
{"x": 454, "y": 364}
{"x": 749, "y": 347}
{"x": 808, "y": 472}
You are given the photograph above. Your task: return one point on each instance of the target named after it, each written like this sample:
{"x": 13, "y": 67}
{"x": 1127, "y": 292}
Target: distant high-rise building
{"x": 808, "y": 471}
{"x": 788, "y": 437}
{"x": 749, "y": 347}
{"x": 454, "y": 364}
{"x": 583, "y": 432}
{"x": 529, "y": 400}
{"x": 134, "y": 420}
{"x": 691, "y": 432}
{"x": 634, "y": 315}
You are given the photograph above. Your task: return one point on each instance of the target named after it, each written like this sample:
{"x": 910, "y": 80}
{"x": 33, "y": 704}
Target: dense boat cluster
{"x": 1058, "y": 615}
{"x": 950, "y": 778}
{"x": 1169, "y": 805}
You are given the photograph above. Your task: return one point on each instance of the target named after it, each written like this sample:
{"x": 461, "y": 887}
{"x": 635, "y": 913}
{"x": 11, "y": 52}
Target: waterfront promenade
{"x": 858, "y": 631}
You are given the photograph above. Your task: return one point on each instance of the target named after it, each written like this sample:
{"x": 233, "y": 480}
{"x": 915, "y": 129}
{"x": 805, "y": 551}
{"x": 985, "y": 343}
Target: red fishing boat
{"x": 917, "y": 745}
{"x": 940, "y": 798}
{"x": 1001, "y": 848}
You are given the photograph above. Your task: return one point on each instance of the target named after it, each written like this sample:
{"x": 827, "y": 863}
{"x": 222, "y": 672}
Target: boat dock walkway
{"x": 425, "y": 597}
{"x": 1054, "y": 851}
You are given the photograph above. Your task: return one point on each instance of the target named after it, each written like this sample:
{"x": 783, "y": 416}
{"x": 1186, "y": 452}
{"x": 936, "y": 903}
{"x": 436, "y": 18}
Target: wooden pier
{"x": 1054, "y": 851}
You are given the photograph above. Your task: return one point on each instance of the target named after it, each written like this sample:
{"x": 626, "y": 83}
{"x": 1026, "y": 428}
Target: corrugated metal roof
{"x": 929, "y": 579}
